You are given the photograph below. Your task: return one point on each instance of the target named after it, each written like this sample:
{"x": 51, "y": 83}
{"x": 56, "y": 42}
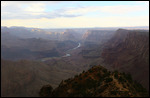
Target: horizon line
{"x": 77, "y": 27}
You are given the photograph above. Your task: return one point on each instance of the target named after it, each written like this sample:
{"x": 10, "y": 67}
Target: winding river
{"x": 66, "y": 55}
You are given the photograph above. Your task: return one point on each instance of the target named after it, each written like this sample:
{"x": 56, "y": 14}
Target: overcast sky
{"x": 68, "y": 14}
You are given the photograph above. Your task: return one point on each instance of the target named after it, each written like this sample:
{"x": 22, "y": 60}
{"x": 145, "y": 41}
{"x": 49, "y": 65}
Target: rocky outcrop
{"x": 96, "y": 82}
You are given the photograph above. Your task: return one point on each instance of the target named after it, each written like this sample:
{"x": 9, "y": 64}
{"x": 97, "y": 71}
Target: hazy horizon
{"x": 74, "y": 14}
{"x": 135, "y": 27}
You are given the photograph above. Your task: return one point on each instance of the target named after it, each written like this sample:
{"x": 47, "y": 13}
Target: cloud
{"x": 37, "y": 10}
{"x": 122, "y": 9}
{"x": 80, "y": 10}
{"x": 39, "y": 7}
{"x": 81, "y": 21}
{"x": 7, "y": 3}
{"x": 31, "y": 10}
{"x": 112, "y": 10}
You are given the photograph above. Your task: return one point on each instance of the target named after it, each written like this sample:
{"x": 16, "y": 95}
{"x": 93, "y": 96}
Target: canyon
{"x": 32, "y": 58}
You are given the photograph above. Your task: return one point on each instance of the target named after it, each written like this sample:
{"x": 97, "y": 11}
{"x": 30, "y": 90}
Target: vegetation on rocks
{"x": 97, "y": 82}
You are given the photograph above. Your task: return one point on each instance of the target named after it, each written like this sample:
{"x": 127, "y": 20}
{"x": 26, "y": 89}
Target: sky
{"x": 74, "y": 14}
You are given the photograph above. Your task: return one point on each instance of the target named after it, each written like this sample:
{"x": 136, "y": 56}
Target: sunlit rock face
{"x": 99, "y": 36}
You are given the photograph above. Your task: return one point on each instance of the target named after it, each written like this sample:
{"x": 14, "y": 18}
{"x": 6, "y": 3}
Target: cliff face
{"x": 97, "y": 35}
{"x": 128, "y": 51}
{"x": 67, "y": 35}
{"x": 93, "y": 41}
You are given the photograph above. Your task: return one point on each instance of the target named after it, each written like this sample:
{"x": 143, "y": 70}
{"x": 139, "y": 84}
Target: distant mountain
{"x": 128, "y": 51}
{"x": 65, "y": 33}
{"x": 131, "y": 27}
{"x": 23, "y": 32}
{"x": 15, "y": 48}
{"x": 96, "y": 82}
{"x": 99, "y": 36}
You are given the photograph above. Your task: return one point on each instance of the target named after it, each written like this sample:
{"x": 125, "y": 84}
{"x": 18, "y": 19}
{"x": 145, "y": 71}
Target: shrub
{"x": 99, "y": 75}
{"x": 104, "y": 70}
{"x": 85, "y": 75}
{"x": 46, "y": 91}
{"x": 90, "y": 71}
{"x": 108, "y": 80}
{"x": 121, "y": 79}
{"x": 90, "y": 83}
{"x": 116, "y": 74}
{"x": 103, "y": 88}
{"x": 124, "y": 85}
{"x": 128, "y": 77}
{"x": 76, "y": 85}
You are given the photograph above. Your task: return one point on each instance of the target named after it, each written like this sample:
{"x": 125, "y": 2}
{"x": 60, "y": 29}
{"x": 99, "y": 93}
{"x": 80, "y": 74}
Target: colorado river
{"x": 67, "y": 54}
